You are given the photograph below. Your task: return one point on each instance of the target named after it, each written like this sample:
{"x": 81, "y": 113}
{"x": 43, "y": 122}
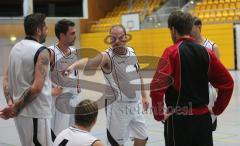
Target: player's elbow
{"x": 158, "y": 116}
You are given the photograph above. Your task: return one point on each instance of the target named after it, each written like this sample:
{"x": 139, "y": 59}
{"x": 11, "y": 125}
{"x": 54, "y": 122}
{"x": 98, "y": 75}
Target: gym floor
{"x": 227, "y": 133}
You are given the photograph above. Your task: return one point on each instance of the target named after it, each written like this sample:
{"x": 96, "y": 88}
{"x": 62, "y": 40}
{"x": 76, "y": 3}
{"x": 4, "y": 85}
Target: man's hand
{"x": 10, "y": 102}
{"x": 56, "y": 91}
{"x": 145, "y": 103}
{"x": 167, "y": 115}
{"x": 9, "y": 112}
{"x": 211, "y": 111}
{"x": 69, "y": 70}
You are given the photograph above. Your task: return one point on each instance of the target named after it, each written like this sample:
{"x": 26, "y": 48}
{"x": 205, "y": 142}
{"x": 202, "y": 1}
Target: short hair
{"x": 62, "y": 27}
{"x": 180, "y": 21}
{"x": 86, "y": 113}
{"x": 197, "y": 21}
{"x": 32, "y": 22}
{"x": 118, "y": 25}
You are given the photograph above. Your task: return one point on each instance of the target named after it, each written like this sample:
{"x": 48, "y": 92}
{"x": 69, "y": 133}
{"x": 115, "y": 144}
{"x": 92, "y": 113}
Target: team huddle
{"x": 47, "y": 111}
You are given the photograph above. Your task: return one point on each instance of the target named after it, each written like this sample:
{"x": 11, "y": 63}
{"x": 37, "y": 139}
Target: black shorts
{"x": 186, "y": 130}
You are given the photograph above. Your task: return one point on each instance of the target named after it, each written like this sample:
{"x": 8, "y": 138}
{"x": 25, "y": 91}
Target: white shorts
{"x": 61, "y": 120}
{"x": 125, "y": 120}
{"x": 34, "y": 131}
{"x": 212, "y": 99}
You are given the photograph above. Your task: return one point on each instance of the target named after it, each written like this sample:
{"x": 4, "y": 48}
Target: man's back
{"x": 73, "y": 137}
{"x": 21, "y": 76}
{"x": 190, "y": 74}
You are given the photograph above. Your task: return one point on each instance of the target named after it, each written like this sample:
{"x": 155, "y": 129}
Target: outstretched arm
{"x": 100, "y": 60}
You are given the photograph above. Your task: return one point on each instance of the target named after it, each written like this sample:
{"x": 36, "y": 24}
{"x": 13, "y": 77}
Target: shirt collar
{"x": 185, "y": 38}
{"x": 30, "y": 38}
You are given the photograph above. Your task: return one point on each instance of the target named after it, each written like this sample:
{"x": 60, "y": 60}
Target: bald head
{"x": 118, "y": 38}
{"x": 117, "y": 29}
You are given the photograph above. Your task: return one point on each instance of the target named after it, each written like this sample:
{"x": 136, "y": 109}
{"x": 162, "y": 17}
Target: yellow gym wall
{"x": 152, "y": 42}
{"x": 223, "y": 36}
{"x": 17, "y": 30}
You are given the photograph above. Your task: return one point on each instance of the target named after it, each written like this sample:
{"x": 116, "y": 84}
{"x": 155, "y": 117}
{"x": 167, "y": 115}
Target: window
{"x": 59, "y": 8}
{"x": 11, "y": 8}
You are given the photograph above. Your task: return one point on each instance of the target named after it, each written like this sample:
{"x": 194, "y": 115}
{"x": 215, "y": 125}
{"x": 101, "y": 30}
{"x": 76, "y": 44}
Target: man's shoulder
{"x": 173, "y": 48}
{"x": 97, "y": 143}
{"x": 108, "y": 49}
{"x": 51, "y": 47}
{"x": 131, "y": 49}
{"x": 209, "y": 41}
{"x": 72, "y": 48}
{"x": 25, "y": 44}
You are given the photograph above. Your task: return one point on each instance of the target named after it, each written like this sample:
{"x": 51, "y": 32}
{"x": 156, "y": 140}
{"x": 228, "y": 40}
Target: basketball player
{"x": 192, "y": 67}
{"x": 27, "y": 86}
{"x": 121, "y": 71}
{"x": 63, "y": 54}
{"x": 196, "y": 33}
{"x": 78, "y": 135}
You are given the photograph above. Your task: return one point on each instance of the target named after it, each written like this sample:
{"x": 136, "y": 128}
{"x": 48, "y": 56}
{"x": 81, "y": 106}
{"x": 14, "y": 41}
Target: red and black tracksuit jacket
{"x": 187, "y": 68}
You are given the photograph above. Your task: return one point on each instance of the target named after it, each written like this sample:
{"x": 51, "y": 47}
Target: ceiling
{"x": 14, "y": 2}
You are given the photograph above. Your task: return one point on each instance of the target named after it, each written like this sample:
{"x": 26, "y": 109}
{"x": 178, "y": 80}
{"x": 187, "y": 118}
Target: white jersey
{"x": 74, "y": 137}
{"x": 61, "y": 63}
{"x": 124, "y": 79}
{"x": 208, "y": 44}
{"x": 22, "y": 59}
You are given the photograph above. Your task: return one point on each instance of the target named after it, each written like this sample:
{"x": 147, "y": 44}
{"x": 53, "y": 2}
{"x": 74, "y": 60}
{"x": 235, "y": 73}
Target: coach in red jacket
{"x": 189, "y": 68}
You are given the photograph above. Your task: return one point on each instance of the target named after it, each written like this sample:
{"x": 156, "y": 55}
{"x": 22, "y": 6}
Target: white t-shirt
{"x": 124, "y": 79}
{"x": 61, "y": 63}
{"x": 21, "y": 68}
{"x": 74, "y": 137}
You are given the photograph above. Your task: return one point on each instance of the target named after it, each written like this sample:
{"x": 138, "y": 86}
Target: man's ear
{"x": 38, "y": 31}
{"x": 61, "y": 35}
{"x": 200, "y": 28}
{"x": 173, "y": 30}
{"x": 95, "y": 121}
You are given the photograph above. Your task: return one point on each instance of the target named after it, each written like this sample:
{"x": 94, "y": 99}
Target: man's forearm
{"x": 28, "y": 96}
{"x": 80, "y": 64}
{"x": 90, "y": 63}
{"x": 6, "y": 93}
{"x": 143, "y": 92}
{"x": 6, "y": 88}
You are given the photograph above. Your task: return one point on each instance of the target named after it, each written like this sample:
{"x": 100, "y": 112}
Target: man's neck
{"x": 83, "y": 128}
{"x": 120, "y": 51}
{"x": 185, "y": 36}
{"x": 181, "y": 37}
{"x": 63, "y": 47}
{"x": 200, "y": 40}
{"x": 34, "y": 37}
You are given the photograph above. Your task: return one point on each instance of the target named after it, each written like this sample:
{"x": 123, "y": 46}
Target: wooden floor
{"x": 227, "y": 134}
